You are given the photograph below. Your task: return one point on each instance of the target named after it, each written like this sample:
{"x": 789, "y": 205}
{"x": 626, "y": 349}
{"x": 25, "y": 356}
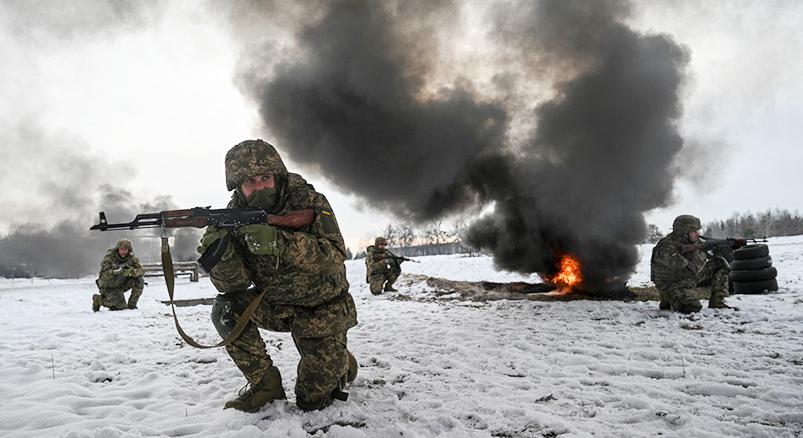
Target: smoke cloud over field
{"x": 359, "y": 105}
{"x": 62, "y": 190}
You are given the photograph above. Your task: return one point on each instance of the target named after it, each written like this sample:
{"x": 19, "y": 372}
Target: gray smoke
{"x": 600, "y": 152}
{"x": 42, "y": 20}
{"x": 353, "y": 108}
{"x": 59, "y": 193}
{"x": 68, "y": 249}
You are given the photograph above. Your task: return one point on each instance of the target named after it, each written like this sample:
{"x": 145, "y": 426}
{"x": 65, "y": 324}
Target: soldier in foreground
{"x": 382, "y": 267}
{"x": 678, "y": 265}
{"x": 119, "y": 271}
{"x": 303, "y": 278}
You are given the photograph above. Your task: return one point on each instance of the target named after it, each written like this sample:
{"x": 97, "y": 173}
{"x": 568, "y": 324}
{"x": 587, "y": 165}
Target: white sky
{"x": 161, "y": 99}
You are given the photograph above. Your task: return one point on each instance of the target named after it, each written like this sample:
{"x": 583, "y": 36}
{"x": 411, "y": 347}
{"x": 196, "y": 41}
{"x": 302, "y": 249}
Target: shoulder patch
{"x": 328, "y": 222}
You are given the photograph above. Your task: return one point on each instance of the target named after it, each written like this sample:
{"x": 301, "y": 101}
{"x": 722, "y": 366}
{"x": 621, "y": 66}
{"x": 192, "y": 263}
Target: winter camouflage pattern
{"x": 305, "y": 286}
{"x": 381, "y": 272}
{"x": 675, "y": 273}
{"x": 252, "y": 158}
{"x": 119, "y": 274}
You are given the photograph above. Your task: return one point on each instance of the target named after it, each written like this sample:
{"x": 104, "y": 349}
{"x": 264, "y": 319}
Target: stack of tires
{"x": 752, "y": 271}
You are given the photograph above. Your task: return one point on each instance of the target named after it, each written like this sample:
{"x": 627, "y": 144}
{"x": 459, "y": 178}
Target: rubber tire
{"x": 751, "y": 252}
{"x": 754, "y": 274}
{"x": 746, "y": 265}
{"x": 755, "y": 287}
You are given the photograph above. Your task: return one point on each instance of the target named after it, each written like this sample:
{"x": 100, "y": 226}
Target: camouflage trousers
{"x": 319, "y": 335}
{"x": 379, "y": 280}
{"x": 113, "y": 297}
{"x": 681, "y": 297}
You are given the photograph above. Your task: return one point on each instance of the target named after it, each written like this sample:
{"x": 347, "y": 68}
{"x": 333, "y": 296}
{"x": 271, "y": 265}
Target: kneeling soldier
{"x": 678, "y": 265}
{"x": 382, "y": 267}
{"x": 302, "y": 275}
{"x": 119, "y": 271}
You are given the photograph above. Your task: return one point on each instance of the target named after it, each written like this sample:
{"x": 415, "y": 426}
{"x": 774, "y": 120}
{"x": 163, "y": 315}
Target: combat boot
{"x": 665, "y": 303}
{"x": 719, "y": 303}
{"x": 96, "y": 302}
{"x": 134, "y": 298}
{"x": 267, "y": 390}
{"x": 389, "y": 288}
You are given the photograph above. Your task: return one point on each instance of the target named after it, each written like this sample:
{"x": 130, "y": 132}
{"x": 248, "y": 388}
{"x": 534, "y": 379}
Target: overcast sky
{"x": 146, "y": 97}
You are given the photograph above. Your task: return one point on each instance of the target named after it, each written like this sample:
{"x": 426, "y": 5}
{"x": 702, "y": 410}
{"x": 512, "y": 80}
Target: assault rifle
{"x": 201, "y": 217}
{"x": 712, "y": 244}
{"x": 399, "y": 258}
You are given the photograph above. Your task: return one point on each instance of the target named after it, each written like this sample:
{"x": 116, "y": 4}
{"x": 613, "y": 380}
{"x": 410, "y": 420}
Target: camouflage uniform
{"x": 381, "y": 270}
{"x": 117, "y": 275}
{"x": 304, "y": 279}
{"x": 675, "y": 272}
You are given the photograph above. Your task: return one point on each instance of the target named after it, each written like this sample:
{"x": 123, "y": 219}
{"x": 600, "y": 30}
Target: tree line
{"x": 770, "y": 223}
{"x": 433, "y": 238}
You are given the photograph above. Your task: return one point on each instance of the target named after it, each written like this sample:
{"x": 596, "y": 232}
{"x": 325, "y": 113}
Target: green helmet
{"x": 124, "y": 243}
{"x": 380, "y": 241}
{"x": 686, "y": 223}
{"x": 252, "y": 158}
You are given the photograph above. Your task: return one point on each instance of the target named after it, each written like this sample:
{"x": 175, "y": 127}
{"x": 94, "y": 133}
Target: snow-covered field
{"x": 428, "y": 368}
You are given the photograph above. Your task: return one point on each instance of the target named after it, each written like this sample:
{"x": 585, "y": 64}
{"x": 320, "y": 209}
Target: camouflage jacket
{"x": 374, "y": 264}
{"x": 112, "y": 265}
{"x": 309, "y": 269}
{"x": 670, "y": 267}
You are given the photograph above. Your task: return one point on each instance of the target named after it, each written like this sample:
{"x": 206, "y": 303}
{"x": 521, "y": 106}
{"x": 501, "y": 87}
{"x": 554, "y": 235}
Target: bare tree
{"x": 391, "y": 233}
{"x": 435, "y": 234}
{"x": 654, "y": 234}
{"x": 407, "y": 234}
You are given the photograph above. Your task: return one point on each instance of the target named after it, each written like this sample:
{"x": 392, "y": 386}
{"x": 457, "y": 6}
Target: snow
{"x": 429, "y": 367}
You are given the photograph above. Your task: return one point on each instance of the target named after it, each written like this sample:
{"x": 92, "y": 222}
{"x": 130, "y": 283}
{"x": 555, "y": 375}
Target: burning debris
{"x": 445, "y": 289}
{"x": 569, "y": 173}
{"x": 569, "y": 274}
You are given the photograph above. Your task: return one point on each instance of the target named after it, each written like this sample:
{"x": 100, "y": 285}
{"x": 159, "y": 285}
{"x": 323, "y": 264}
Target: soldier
{"x": 382, "y": 267}
{"x": 119, "y": 271}
{"x": 303, "y": 278}
{"x": 678, "y": 265}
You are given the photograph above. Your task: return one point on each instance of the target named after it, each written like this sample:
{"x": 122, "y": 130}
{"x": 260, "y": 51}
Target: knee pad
{"x": 139, "y": 282}
{"x": 224, "y": 314}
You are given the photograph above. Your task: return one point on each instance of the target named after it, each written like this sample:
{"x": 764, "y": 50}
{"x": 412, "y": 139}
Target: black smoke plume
{"x": 358, "y": 105}
{"x": 357, "y": 108}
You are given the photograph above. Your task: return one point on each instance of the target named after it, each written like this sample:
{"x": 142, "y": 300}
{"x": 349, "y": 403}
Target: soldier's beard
{"x": 264, "y": 199}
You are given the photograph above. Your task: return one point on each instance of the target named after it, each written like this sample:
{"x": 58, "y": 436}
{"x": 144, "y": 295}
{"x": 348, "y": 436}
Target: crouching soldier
{"x": 300, "y": 275}
{"x": 382, "y": 267}
{"x": 119, "y": 271}
{"x": 679, "y": 264}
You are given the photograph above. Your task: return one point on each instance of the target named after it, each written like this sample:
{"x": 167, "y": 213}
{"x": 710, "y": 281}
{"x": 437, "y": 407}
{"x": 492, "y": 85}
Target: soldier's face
{"x": 122, "y": 251}
{"x": 257, "y": 183}
{"x": 382, "y": 246}
{"x": 694, "y": 235}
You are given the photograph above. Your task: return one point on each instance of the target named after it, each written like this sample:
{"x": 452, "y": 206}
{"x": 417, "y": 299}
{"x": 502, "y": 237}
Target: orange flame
{"x": 569, "y": 274}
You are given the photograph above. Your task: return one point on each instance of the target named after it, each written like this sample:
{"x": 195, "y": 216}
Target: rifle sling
{"x": 170, "y": 279}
